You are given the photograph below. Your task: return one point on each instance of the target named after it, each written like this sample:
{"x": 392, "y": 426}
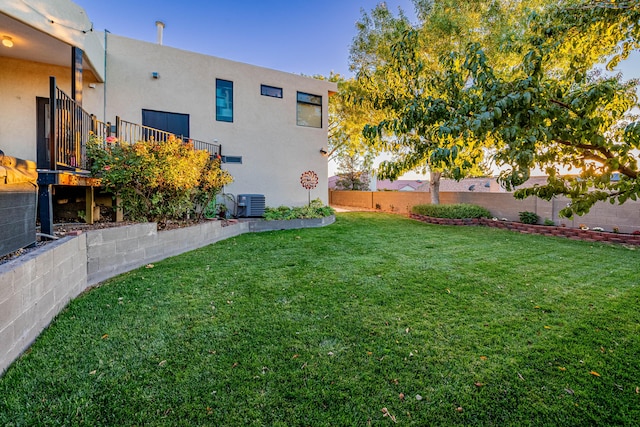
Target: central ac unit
{"x": 250, "y": 205}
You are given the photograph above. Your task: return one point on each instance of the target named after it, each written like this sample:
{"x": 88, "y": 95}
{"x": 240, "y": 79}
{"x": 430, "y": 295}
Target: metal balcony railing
{"x": 69, "y": 130}
{"x": 130, "y": 133}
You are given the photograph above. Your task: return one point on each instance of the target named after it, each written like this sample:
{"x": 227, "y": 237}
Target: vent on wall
{"x": 250, "y": 205}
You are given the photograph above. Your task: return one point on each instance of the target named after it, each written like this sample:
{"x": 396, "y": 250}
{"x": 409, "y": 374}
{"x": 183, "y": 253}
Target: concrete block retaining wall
{"x": 35, "y": 287}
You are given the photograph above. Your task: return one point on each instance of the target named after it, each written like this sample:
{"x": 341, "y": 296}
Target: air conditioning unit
{"x": 250, "y": 205}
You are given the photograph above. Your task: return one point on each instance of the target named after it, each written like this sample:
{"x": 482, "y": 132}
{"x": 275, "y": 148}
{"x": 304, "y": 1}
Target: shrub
{"x": 314, "y": 210}
{"x": 528, "y": 217}
{"x": 154, "y": 180}
{"x": 456, "y": 211}
{"x": 549, "y": 222}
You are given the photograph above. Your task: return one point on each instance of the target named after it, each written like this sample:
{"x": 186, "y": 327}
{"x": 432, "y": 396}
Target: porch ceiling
{"x": 30, "y": 44}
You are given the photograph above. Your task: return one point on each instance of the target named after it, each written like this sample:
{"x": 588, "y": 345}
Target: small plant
{"x": 583, "y": 227}
{"x": 314, "y": 210}
{"x": 598, "y": 229}
{"x": 616, "y": 230}
{"x": 549, "y": 222}
{"x": 636, "y": 233}
{"x": 456, "y": 211}
{"x": 528, "y": 217}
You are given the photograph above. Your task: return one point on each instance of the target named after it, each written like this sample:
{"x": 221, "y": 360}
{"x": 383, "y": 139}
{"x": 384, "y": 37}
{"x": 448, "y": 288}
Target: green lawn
{"x": 439, "y": 325}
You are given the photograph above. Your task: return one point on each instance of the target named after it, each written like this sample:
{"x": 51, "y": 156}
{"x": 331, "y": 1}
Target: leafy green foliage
{"x": 454, "y": 211}
{"x": 417, "y": 78}
{"x": 314, "y": 210}
{"x": 156, "y": 181}
{"x": 528, "y": 217}
{"x": 553, "y": 111}
{"x": 325, "y": 327}
{"x": 518, "y": 81}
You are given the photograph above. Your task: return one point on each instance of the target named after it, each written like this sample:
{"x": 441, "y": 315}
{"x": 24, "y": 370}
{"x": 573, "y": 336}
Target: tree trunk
{"x": 434, "y": 187}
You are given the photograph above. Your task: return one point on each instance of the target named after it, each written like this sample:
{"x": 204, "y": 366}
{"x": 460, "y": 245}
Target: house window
{"x": 275, "y": 92}
{"x": 309, "y": 110}
{"x": 224, "y": 100}
{"x": 232, "y": 159}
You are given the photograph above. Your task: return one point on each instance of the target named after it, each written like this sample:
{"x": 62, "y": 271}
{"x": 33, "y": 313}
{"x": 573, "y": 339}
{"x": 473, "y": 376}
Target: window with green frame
{"x": 309, "y": 110}
{"x": 224, "y": 100}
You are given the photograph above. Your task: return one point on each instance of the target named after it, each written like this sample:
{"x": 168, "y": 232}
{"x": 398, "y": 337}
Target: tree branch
{"x": 625, "y": 170}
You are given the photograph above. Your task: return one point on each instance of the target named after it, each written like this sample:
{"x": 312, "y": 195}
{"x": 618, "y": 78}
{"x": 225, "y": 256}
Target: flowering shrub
{"x": 154, "y": 180}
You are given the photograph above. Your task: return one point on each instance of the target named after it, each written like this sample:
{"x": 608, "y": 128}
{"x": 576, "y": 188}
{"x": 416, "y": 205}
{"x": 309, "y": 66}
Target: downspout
{"x": 104, "y": 86}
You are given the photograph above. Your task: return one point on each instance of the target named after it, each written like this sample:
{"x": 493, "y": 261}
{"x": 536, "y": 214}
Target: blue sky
{"x": 297, "y": 36}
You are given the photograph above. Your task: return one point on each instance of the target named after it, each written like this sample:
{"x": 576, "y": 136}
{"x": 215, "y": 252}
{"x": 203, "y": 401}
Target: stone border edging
{"x": 545, "y": 230}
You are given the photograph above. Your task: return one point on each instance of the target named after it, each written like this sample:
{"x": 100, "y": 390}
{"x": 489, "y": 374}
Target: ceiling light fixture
{"x": 7, "y": 41}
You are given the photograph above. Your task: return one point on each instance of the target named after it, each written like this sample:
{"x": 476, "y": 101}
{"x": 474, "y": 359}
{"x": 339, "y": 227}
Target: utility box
{"x": 18, "y": 196}
{"x": 250, "y": 205}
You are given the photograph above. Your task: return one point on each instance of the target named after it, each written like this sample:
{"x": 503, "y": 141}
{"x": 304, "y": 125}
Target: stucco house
{"x": 269, "y": 126}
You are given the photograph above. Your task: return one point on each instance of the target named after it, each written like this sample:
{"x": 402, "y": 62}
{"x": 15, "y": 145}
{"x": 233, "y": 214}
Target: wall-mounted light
{"x": 155, "y": 75}
{"x": 324, "y": 152}
{"x": 7, "y": 41}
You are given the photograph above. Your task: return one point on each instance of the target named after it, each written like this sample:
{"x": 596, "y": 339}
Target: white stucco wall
{"x": 20, "y": 83}
{"x": 275, "y": 150}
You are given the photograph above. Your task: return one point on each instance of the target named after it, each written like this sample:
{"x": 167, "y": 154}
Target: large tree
{"x": 416, "y": 77}
{"x": 525, "y": 90}
{"x": 559, "y": 113}
{"x": 354, "y": 173}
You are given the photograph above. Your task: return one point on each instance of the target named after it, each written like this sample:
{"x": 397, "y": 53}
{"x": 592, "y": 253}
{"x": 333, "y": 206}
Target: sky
{"x": 307, "y": 37}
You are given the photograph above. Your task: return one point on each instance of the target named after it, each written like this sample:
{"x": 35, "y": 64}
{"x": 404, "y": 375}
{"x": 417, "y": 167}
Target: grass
{"x": 439, "y": 325}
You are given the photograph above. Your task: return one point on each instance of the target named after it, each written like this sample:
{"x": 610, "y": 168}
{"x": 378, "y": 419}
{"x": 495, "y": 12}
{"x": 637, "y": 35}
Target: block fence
{"x": 625, "y": 217}
{"x": 35, "y": 287}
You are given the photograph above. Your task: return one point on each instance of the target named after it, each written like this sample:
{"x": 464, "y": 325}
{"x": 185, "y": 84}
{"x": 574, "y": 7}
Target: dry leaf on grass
{"x": 385, "y": 413}
{"x": 594, "y": 373}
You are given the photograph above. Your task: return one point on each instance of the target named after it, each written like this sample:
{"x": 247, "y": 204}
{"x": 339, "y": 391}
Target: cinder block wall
{"x": 37, "y": 286}
{"x": 34, "y": 290}
{"x": 625, "y": 217}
